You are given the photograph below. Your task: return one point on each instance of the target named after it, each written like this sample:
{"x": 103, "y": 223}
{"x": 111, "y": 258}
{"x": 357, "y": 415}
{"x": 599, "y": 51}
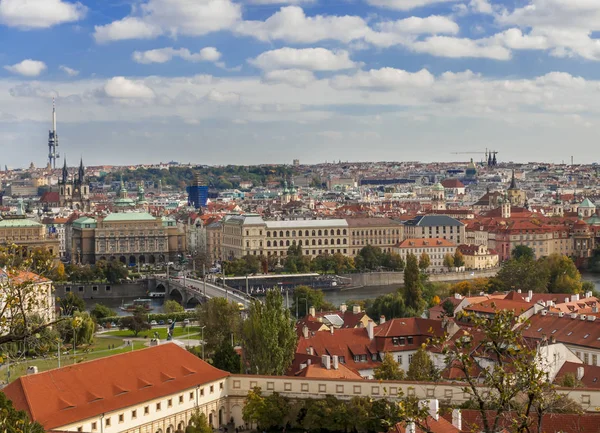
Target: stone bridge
{"x": 192, "y": 292}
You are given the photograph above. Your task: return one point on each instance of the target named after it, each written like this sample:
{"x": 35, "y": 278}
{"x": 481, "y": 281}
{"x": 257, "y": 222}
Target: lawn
{"x": 98, "y": 350}
{"x": 179, "y": 331}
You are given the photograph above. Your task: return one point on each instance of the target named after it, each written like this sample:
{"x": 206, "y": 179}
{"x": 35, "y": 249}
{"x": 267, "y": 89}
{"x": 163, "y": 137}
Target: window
{"x": 402, "y": 341}
{"x": 410, "y": 358}
{"x": 212, "y": 389}
{"x": 400, "y": 359}
{"x": 79, "y": 428}
{"x": 221, "y": 385}
{"x": 157, "y": 407}
{"x": 133, "y": 414}
{"x": 170, "y": 402}
{"x": 146, "y": 410}
{"x": 107, "y": 422}
{"x": 67, "y": 289}
{"x": 107, "y": 288}
{"x": 121, "y": 417}
{"x": 94, "y": 426}
{"x": 180, "y": 399}
{"x": 410, "y": 340}
{"x": 594, "y": 359}
{"x": 192, "y": 394}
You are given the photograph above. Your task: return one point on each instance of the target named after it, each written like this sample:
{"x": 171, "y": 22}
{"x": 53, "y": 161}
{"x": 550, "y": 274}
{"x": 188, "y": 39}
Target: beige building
{"x": 435, "y": 226}
{"x": 379, "y": 232}
{"x": 214, "y": 240}
{"x": 28, "y": 234}
{"x": 35, "y": 293}
{"x": 130, "y": 237}
{"x": 478, "y": 257}
{"x": 435, "y": 248}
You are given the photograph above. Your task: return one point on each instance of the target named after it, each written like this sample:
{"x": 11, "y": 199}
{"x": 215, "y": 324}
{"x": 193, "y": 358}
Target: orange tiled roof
{"x": 69, "y": 394}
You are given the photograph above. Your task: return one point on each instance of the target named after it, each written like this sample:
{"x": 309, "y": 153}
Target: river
{"x": 336, "y": 297}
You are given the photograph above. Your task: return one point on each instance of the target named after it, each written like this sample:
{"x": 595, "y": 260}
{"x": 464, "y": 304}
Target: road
{"x": 213, "y": 291}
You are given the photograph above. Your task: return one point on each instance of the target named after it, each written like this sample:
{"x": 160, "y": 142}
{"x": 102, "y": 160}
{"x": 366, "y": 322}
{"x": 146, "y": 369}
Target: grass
{"x": 179, "y": 331}
{"x": 98, "y": 350}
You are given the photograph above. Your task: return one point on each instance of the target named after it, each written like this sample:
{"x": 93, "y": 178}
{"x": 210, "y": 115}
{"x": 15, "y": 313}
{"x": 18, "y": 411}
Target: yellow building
{"x": 378, "y": 232}
{"x": 478, "y": 257}
{"x": 28, "y": 234}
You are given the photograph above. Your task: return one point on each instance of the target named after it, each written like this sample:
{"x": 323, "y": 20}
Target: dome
{"x": 437, "y": 187}
{"x": 471, "y": 169}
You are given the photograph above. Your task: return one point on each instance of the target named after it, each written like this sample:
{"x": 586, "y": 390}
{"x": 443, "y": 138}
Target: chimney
{"x": 582, "y": 316}
{"x": 331, "y": 329}
{"x": 371, "y": 329}
{"x": 356, "y": 309}
{"x": 519, "y": 291}
{"x": 573, "y": 315}
{"x": 343, "y": 308}
{"x": 305, "y": 331}
{"x": 311, "y": 312}
{"x": 308, "y": 361}
{"x": 530, "y": 295}
{"x": 595, "y": 309}
{"x": 433, "y": 406}
{"x": 326, "y": 361}
{"x": 311, "y": 350}
{"x": 335, "y": 362}
{"x": 381, "y": 319}
{"x": 580, "y": 373}
{"x": 588, "y": 294}
{"x": 566, "y": 300}
{"x": 410, "y": 427}
{"x": 32, "y": 370}
{"x": 561, "y": 314}
{"x": 457, "y": 419}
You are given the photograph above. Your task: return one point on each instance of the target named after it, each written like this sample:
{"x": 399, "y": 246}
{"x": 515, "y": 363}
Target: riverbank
{"x": 397, "y": 278}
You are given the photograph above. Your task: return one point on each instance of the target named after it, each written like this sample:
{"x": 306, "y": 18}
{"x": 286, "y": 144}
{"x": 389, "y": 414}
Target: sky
{"x": 268, "y": 81}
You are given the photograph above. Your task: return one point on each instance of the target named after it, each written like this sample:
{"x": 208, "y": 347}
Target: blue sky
{"x": 251, "y": 81}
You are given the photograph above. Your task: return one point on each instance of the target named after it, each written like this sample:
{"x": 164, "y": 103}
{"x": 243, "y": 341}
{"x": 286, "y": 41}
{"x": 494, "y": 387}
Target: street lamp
{"x": 203, "y": 341}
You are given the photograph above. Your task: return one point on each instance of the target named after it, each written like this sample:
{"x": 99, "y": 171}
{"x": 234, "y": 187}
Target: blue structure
{"x": 197, "y": 193}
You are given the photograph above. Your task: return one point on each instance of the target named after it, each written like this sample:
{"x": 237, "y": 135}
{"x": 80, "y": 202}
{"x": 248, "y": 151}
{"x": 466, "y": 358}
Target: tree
{"x": 305, "y": 297}
{"x": 78, "y": 330}
{"x": 448, "y": 308}
{"x": 369, "y": 258}
{"x": 521, "y": 274}
{"x": 424, "y": 261}
{"x": 198, "y": 423}
{"x": 172, "y": 306}
{"x": 421, "y": 367}
{"x": 266, "y": 412}
{"x": 115, "y": 271}
{"x": 459, "y": 260}
{"x": 413, "y": 286}
{"x": 513, "y": 386}
{"x": 101, "y": 311}
{"x": 136, "y": 323}
{"x": 390, "y": 306}
{"x": 16, "y": 421}
{"x": 449, "y": 260}
{"x": 227, "y": 359}
{"x": 393, "y": 261}
{"x": 569, "y": 380}
{"x": 222, "y": 319}
{"x": 389, "y": 369}
{"x": 522, "y": 252}
{"x": 269, "y": 337}
{"x": 563, "y": 275}
{"x": 70, "y": 304}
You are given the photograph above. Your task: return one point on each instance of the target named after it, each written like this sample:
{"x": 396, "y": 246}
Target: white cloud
{"x": 172, "y": 17}
{"x": 278, "y": 2}
{"x": 163, "y": 55}
{"x": 383, "y": 79}
{"x": 293, "y": 77}
{"x": 481, "y": 6}
{"x": 405, "y": 5}
{"x": 37, "y": 14}
{"x": 28, "y": 68}
{"x": 121, "y": 87}
{"x": 69, "y": 71}
{"x": 433, "y": 24}
{"x": 314, "y": 59}
{"x": 515, "y": 39}
{"x": 292, "y": 25}
{"x": 223, "y": 97}
{"x": 445, "y": 46}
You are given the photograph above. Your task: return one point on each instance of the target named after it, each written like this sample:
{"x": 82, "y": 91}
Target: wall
{"x": 394, "y": 278}
{"x": 99, "y": 291}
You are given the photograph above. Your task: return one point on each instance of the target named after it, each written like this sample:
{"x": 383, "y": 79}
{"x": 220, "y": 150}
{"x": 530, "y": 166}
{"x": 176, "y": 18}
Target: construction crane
{"x": 490, "y": 156}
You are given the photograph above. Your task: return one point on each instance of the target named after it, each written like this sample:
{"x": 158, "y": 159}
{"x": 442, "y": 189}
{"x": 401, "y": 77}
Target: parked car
{"x": 186, "y": 322}
{"x": 161, "y": 322}
{"x": 154, "y": 323}
{"x": 169, "y": 321}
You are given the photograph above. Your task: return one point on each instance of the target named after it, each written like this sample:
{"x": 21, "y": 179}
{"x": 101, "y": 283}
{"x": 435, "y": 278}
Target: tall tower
{"x": 53, "y": 155}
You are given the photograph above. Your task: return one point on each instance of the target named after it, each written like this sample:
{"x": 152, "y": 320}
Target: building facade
{"x": 131, "y": 237}
{"x": 435, "y": 248}
{"x": 379, "y": 232}
{"x": 435, "y": 226}
{"x": 28, "y": 234}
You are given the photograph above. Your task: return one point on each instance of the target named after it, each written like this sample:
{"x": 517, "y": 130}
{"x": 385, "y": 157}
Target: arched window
{"x": 268, "y": 243}
{"x": 306, "y": 233}
{"x": 326, "y": 232}
{"x": 320, "y": 232}
{"x": 314, "y": 233}
{"x": 293, "y": 233}
{"x": 287, "y": 233}
{"x": 326, "y": 242}
{"x": 287, "y": 243}
{"x": 338, "y": 241}
{"x": 344, "y": 232}
{"x": 300, "y": 242}
{"x": 268, "y": 234}
{"x": 344, "y": 241}
{"x": 313, "y": 242}
{"x": 294, "y": 242}
{"x": 280, "y": 243}
{"x": 338, "y": 232}
{"x": 281, "y": 234}
{"x": 274, "y": 234}
{"x": 320, "y": 243}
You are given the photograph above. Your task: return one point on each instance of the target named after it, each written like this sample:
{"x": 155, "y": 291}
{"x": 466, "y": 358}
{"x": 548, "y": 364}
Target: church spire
{"x": 81, "y": 172}
{"x": 513, "y": 183}
{"x": 65, "y": 171}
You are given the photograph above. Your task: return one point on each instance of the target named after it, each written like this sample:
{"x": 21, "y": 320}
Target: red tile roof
{"x": 431, "y": 426}
{"x": 591, "y": 374}
{"x": 431, "y": 242}
{"x": 69, "y": 394}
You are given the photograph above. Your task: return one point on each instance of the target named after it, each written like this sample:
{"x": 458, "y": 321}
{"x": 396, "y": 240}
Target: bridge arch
{"x": 160, "y": 288}
{"x": 176, "y": 295}
{"x": 192, "y": 302}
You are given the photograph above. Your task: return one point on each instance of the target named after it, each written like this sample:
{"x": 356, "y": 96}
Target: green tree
{"x": 522, "y": 252}
{"x": 115, "y": 271}
{"x": 70, "y": 304}
{"x": 100, "y": 311}
{"x": 198, "y": 423}
{"x": 266, "y": 412}
{"x": 413, "y": 286}
{"x": 369, "y": 258}
{"x": 449, "y": 261}
{"x": 222, "y": 319}
{"x": 512, "y": 384}
{"x": 306, "y": 297}
{"x": 524, "y": 274}
{"x": 424, "y": 261}
{"x": 393, "y": 262}
{"x": 569, "y": 380}
{"x": 269, "y": 337}
{"x": 172, "y": 306}
{"x": 459, "y": 260}
{"x": 16, "y": 421}
{"x": 136, "y": 323}
{"x": 421, "y": 367}
{"x": 227, "y": 359}
{"x": 563, "y": 275}
{"x": 390, "y": 305}
{"x": 448, "y": 308}
{"x": 389, "y": 369}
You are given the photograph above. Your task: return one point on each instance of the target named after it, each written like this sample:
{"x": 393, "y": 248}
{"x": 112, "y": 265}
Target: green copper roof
{"x": 129, "y": 216}
{"x": 587, "y": 204}
{"x": 18, "y": 222}
{"x": 81, "y": 222}
{"x": 593, "y": 221}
